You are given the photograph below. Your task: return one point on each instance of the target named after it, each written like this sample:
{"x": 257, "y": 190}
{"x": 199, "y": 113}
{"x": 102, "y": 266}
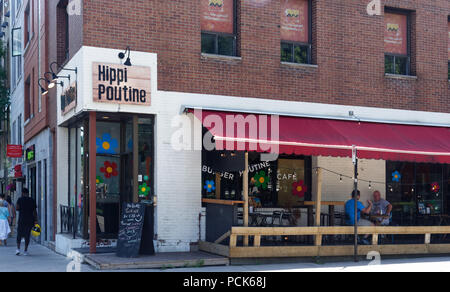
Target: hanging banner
{"x": 396, "y": 33}
{"x": 14, "y": 151}
{"x": 449, "y": 40}
{"x": 295, "y": 20}
{"x": 217, "y": 15}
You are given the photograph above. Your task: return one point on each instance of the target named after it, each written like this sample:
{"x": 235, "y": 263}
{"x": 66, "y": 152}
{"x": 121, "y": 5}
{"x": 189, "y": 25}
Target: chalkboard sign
{"x": 130, "y": 230}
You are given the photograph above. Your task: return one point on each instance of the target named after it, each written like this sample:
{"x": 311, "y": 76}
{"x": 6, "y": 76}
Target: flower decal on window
{"x": 299, "y": 189}
{"x": 396, "y": 176}
{"x": 110, "y": 169}
{"x": 435, "y": 188}
{"x": 99, "y": 180}
{"x": 107, "y": 145}
{"x": 210, "y": 186}
{"x": 144, "y": 190}
{"x": 261, "y": 180}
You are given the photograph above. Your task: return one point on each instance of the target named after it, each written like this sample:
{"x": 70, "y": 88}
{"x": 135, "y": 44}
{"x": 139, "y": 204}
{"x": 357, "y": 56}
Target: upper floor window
{"x": 396, "y": 43}
{"x": 62, "y": 19}
{"x": 218, "y": 25}
{"x": 27, "y": 24}
{"x": 296, "y": 31}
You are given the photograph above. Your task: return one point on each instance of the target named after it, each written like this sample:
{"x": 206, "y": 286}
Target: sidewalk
{"x": 41, "y": 259}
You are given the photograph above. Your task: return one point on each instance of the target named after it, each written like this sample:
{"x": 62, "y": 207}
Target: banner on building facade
{"x": 295, "y": 20}
{"x": 217, "y": 15}
{"x": 14, "y": 151}
{"x": 121, "y": 84}
{"x": 396, "y": 33}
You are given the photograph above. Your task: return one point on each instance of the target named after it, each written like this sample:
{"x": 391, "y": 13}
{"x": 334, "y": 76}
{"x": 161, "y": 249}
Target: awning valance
{"x": 324, "y": 137}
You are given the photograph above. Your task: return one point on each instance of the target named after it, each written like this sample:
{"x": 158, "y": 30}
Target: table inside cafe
{"x": 331, "y": 216}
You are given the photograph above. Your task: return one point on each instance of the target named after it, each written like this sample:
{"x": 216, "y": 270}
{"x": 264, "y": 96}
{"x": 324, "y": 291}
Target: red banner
{"x": 449, "y": 40}
{"x": 14, "y": 151}
{"x": 217, "y": 15}
{"x": 396, "y": 33}
{"x": 295, "y": 20}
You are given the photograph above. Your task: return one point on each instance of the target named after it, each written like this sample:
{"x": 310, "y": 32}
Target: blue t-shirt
{"x": 4, "y": 213}
{"x": 350, "y": 211}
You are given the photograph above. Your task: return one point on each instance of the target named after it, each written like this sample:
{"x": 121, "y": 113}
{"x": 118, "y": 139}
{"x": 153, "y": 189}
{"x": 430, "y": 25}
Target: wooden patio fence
{"x": 233, "y": 250}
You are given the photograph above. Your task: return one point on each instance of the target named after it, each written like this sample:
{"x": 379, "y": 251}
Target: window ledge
{"x": 398, "y": 76}
{"x": 300, "y": 65}
{"x": 206, "y": 56}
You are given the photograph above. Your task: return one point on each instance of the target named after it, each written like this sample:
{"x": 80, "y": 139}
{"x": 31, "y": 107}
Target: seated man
{"x": 381, "y": 207}
{"x": 350, "y": 213}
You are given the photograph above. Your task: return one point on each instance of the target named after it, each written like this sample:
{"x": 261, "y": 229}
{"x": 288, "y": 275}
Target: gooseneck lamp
{"x": 122, "y": 56}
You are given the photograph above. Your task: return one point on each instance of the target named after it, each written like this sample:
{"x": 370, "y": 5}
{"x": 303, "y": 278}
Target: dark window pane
{"x": 301, "y": 54}
{"x": 286, "y": 52}
{"x": 448, "y": 70}
{"x": 208, "y": 43}
{"x": 401, "y": 65}
{"x": 389, "y": 64}
{"x": 226, "y": 45}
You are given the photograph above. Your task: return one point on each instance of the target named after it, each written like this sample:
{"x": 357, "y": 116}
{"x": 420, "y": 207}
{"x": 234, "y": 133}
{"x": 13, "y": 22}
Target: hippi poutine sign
{"x": 121, "y": 84}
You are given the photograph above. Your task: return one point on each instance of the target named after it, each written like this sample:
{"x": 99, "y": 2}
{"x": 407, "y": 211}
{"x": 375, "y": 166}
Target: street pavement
{"x": 42, "y": 259}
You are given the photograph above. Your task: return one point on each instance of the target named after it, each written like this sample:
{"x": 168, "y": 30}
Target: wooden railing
{"x": 319, "y": 232}
{"x": 256, "y": 250}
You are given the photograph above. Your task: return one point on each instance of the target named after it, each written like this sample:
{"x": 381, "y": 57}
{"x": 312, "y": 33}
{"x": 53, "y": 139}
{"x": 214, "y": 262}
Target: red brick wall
{"x": 37, "y": 120}
{"x": 348, "y": 49}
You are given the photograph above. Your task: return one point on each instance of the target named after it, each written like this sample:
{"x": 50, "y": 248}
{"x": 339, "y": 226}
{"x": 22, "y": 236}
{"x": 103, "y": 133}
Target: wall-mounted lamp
{"x": 43, "y": 90}
{"x": 122, "y": 56}
{"x": 55, "y": 77}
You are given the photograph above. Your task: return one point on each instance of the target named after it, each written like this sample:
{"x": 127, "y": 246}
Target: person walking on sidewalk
{"x": 27, "y": 219}
{"x": 5, "y": 230}
{"x": 12, "y": 212}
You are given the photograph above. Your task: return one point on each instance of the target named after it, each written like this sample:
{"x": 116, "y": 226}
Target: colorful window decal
{"x": 144, "y": 190}
{"x": 99, "y": 180}
{"x": 295, "y": 20}
{"x": 210, "y": 186}
{"x": 396, "y": 176}
{"x": 435, "y": 188}
{"x": 299, "y": 189}
{"x": 261, "y": 180}
{"x": 107, "y": 145}
{"x": 110, "y": 169}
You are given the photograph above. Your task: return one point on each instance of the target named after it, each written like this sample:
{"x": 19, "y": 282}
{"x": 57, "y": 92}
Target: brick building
{"x": 306, "y": 58}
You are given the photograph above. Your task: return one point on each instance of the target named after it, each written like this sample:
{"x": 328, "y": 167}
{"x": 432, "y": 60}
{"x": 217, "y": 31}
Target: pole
{"x": 245, "y": 186}
{"x": 318, "y": 238}
{"x": 92, "y": 183}
{"x": 355, "y": 199}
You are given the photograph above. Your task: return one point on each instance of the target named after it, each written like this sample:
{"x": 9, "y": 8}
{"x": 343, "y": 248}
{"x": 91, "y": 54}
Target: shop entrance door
{"x": 114, "y": 174}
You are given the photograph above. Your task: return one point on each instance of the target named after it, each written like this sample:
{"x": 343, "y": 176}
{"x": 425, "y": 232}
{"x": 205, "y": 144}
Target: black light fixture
{"x": 55, "y": 77}
{"x": 122, "y": 56}
{"x": 43, "y": 90}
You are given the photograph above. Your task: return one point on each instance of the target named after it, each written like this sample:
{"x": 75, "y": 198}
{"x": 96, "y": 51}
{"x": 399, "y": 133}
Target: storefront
{"x": 275, "y": 190}
{"x": 106, "y": 110}
{"x": 148, "y": 147}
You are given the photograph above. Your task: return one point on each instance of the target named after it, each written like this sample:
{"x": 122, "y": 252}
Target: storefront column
{"x": 92, "y": 182}
{"x": 135, "y": 159}
{"x": 319, "y": 205}
{"x": 246, "y": 197}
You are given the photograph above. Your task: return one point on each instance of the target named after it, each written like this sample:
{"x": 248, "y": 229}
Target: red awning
{"x": 322, "y": 137}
